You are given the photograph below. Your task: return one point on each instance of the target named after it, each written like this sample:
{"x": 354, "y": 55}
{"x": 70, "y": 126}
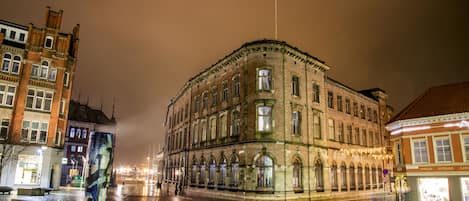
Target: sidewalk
{"x": 66, "y": 194}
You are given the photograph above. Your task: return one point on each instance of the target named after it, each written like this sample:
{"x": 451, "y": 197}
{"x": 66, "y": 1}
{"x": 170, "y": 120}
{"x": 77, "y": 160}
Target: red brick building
{"x": 430, "y": 140}
{"x": 36, "y": 78}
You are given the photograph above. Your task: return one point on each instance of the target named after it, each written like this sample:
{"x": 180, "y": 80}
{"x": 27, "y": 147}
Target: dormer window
{"x": 49, "y": 42}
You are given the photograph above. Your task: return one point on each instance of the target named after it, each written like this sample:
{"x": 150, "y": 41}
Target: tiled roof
{"x": 84, "y": 113}
{"x": 439, "y": 100}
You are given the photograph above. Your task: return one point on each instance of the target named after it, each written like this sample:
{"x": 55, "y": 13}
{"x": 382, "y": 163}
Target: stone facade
{"x": 255, "y": 126}
{"x": 36, "y": 78}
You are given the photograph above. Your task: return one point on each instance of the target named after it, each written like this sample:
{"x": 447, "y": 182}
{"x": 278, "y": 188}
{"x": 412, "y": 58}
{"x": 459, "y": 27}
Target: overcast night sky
{"x": 141, "y": 52}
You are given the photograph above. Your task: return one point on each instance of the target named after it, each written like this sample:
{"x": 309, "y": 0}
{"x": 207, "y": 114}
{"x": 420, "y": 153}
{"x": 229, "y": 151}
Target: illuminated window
{"x": 28, "y": 170}
{"x": 16, "y": 65}
{"x": 264, "y": 77}
{"x": 6, "y": 62}
{"x": 234, "y": 172}
{"x": 296, "y": 120}
{"x": 84, "y": 133}
{"x": 73, "y": 148}
{"x": 72, "y": 132}
{"x": 211, "y": 172}
{"x": 420, "y": 154}
{"x": 222, "y": 170}
{"x": 331, "y": 128}
{"x": 443, "y": 149}
{"x": 7, "y": 95}
{"x": 78, "y": 133}
{"x": 265, "y": 172}
{"x": 264, "y": 118}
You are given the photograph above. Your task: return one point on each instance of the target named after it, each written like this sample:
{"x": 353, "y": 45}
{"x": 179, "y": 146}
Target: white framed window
{"x": 264, "y": 79}
{"x": 66, "y": 79}
{"x": 419, "y": 151}
{"x": 84, "y": 133}
{"x": 264, "y": 118}
{"x": 5, "y": 124}
{"x": 78, "y": 133}
{"x": 72, "y": 132}
{"x": 44, "y": 69}
{"x": 15, "y": 69}
{"x": 35, "y": 71}
{"x": 6, "y": 62}
{"x": 12, "y": 35}
{"x": 465, "y": 148}
{"x": 80, "y": 149}
{"x": 443, "y": 149}
{"x": 73, "y": 148}
{"x": 49, "y": 42}
{"x": 7, "y": 95}
{"x": 39, "y": 100}
{"x": 34, "y": 132}
{"x": 62, "y": 106}
{"x": 52, "y": 74}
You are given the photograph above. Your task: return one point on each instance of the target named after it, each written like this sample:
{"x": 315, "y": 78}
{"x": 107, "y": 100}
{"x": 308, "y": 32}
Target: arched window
{"x": 367, "y": 177}
{"x": 212, "y": 172}
{"x": 334, "y": 183}
{"x": 202, "y": 171}
{"x": 360, "y": 177}
{"x": 373, "y": 177}
{"x": 234, "y": 171}
{"x": 6, "y": 62}
{"x": 16, "y": 65}
{"x": 343, "y": 176}
{"x": 318, "y": 170}
{"x": 194, "y": 171}
{"x": 351, "y": 171}
{"x": 297, "y": 173}
{"x": 222, "y": 175}
{"x": 265, "y": 171}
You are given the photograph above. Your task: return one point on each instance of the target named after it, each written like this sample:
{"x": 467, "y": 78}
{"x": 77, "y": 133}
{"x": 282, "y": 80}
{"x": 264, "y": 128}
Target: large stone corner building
{"x": 266, "y": 122}
{"x": 36, "y": 78}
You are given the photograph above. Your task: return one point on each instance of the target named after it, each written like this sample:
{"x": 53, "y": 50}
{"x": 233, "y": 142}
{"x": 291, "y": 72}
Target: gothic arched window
{"x": 334, "y": 183}
{"x": 222, "y": 175}
{"x": 297, "y": 173}
{"x": 234, "y": 170}
{"x": 318, "y": 171}
{"x": 343, "y": 177}
{"x": 265, "y": 171}
{"x": 351, "y": 171}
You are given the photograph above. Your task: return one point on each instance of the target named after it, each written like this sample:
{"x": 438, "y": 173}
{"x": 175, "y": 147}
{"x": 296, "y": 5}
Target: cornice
{"x": 253, "y": 47}
{"x": 427, "y": 120}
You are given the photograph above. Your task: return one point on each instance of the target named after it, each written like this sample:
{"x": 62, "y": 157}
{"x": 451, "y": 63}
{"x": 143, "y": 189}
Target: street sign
{"x": 64, "y": 161}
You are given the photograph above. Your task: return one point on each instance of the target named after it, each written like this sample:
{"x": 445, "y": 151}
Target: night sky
{"x": 141, "y": 52}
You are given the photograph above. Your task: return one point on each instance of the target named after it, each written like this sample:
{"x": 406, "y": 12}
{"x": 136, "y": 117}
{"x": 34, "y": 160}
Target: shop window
{"x": 28, "y": 170}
